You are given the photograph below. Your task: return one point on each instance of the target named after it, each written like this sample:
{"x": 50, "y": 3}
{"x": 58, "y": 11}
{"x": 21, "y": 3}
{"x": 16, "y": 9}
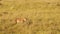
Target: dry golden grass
{"x": 42, "y": 16}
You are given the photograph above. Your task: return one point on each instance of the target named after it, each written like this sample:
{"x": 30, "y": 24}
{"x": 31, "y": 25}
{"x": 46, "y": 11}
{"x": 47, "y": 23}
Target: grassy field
{"x": 42, "y": 16}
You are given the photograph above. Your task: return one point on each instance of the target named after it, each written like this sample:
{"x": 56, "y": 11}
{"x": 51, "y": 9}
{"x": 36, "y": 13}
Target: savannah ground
{"x": 43, "y": 16}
